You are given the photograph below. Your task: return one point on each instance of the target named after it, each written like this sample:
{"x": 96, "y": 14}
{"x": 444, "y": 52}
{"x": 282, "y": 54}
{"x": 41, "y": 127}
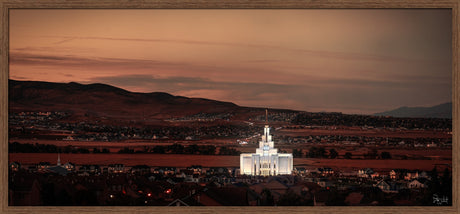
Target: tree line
{"x": 321, "y": 152}
{"x": 194, "y": 149}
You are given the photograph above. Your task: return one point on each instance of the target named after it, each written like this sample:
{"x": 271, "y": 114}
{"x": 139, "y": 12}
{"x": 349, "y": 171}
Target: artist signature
{"x": 440, "y": 200}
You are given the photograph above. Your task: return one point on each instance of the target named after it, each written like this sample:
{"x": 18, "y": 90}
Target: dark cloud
{"x": 21, "y": 58}
{"x": 365, "y": 92}
{"x": 356, "y": 96}
{"x": 315, "y": 53}
{"x": 251, "y": 90}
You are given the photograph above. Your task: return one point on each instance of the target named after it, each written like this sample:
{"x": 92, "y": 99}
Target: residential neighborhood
{"x": 117, "y": 184}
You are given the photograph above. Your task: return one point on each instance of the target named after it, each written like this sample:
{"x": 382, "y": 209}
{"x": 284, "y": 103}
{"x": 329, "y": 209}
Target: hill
{"x": 438, "y": 111}
{"x": 100, "y": 100}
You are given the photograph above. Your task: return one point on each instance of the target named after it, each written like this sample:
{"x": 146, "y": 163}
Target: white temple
{"x": 266, "y": 161}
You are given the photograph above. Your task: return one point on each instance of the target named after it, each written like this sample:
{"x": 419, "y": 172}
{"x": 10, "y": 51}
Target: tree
{"x": 83, "y": 150}
{"x": 96, "y": 150}
{"x": 372, "y": 154}
{"x": 67, "y": 149}
{"x": 267, "y": 198}
{"x": 176, "y": 148}
{"x": 322, "y": 152}
{"x": 316, "y": 152}
{"x": 192, "y": 149}
{"x": 297, "y": 153}
{"x": 126, "y": 150}
{"x": 333, "y": 153}
{"x": 312, "y": 152}
{"x": 446, "y": 185}
{"x": 290, "y": 199}
{"x": 228, "y": 151}
{"x": 159, "y": 149}
{"x": 385, "y": 155}
{"x": 334, "y": 198}
{"x": 348, "y": 155}
{"x": 207, "y": 150}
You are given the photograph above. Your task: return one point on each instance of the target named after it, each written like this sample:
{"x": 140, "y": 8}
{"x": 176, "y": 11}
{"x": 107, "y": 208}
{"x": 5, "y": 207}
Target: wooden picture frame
{"x": 6, "y": 5}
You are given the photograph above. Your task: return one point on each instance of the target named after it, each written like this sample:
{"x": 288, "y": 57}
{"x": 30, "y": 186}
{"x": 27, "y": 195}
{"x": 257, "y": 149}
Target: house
{"x": 393, "y": 174}
{"x": 413, "y": 174}
{"x": 188, "y": 175}
{"x": 197, "y": 169}
{"x": 229, "y": 196}
{"x": 417, "y": 184}
{"x": 140, "y": 169}
{"x": 365, "y": 173}
{"x": 178, "y": 203}
{"x": 400, "y": 174}
{"x": 218, "y": 171}
{"x": 116, "y": 168}
{"x": 324, "y": 183}
{"x": 384, "y": 186}
{"x": 326, "y": 171}
{"x": 89, "y": 169}
{"x": 14, "y": 166}
{"x": 276, "y": 187}
{"x": 423, "y": 174}
{"x": 303, "y": 187}
{"x": 166, "y": 170}
{"x": 354, "y": 198}
{"x": 375, "y": 175}
{"x": 69, "y": 166}
{"x": 389, "y": 186}
{"x": 24, "y": 191}
{"x": 43, "y": 165}
{"x": 58, "y": 170}
{"x": 300, "y": 170}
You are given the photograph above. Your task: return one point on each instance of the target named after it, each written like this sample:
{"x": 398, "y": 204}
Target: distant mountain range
{"x": 438, "y": 111}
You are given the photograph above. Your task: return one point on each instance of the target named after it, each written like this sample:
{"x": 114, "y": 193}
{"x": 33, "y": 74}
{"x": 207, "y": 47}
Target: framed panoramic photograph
{"x": 246, "y": 107}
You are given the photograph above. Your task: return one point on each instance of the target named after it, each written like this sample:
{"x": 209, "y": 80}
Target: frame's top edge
{"x": 228, "y": 4}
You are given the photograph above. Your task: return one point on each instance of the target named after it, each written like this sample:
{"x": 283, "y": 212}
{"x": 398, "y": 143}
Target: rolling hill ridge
{"x": 106, "y": 101}
{"x": 438, "y": 111}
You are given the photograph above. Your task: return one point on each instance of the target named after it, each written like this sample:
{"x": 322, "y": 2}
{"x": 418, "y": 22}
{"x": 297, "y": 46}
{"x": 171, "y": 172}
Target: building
{"x": 266, "y": 161}
{"x": 15, "y": 166}
{"x": 69, "y": 166}
{"x": 116, "y": 168}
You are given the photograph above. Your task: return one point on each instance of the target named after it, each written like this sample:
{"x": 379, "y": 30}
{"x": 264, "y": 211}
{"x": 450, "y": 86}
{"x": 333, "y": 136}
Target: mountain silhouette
{"x": 106, "y": 101}
{"x": 438, "y": 111}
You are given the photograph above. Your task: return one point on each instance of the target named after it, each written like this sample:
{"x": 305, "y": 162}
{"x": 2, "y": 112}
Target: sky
{"x": 336, "y": 60}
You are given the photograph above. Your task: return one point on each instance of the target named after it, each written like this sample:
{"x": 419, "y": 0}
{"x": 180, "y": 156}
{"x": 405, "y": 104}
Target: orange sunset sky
{"x": 350, "y": 61}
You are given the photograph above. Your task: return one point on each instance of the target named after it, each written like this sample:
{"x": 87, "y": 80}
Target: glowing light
{"x": 149, "y": 194}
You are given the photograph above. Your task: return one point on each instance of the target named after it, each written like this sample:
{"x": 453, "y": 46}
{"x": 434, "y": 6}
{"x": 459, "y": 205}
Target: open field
{"x": 213, "y": 160}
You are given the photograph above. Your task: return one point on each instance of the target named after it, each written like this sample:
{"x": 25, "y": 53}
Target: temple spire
{"x": 266, "y": 116}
